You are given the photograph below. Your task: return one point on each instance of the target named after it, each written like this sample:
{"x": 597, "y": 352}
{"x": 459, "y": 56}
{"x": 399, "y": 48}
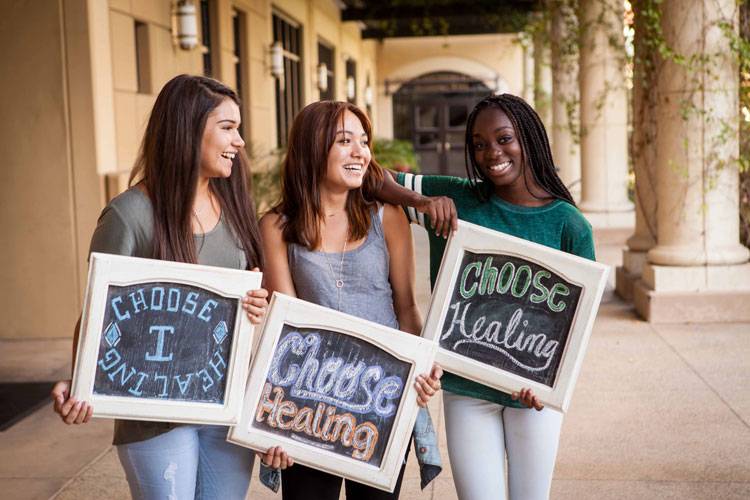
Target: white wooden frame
{"x": 591, "y": 276}
{"x": 105, "y": 270}
{"x": 403, "y": 346}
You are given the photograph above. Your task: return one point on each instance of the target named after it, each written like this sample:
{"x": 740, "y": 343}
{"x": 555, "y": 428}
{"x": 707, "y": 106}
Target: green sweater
{"x": 558, "y": 225}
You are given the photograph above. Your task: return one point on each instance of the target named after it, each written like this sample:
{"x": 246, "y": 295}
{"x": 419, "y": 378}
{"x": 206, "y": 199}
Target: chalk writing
{"x": 165, "y": 341}
{"x": 511, "y": 314}
{"x": 334, "y": 391}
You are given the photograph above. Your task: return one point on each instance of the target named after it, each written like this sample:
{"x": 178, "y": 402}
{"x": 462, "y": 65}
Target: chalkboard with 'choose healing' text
{"x": 512, "y": 314}
{"x": 163, "y": 340}
{"x": 335, "y": 391}
{"x": 166, "y": 341}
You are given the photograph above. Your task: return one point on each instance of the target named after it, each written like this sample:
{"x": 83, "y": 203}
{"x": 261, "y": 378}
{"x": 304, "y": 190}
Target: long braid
{"x": 534, "y": 145}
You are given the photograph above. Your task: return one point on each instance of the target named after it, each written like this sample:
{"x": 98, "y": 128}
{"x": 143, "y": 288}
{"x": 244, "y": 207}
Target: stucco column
{"x": 528, "y": 69}
{"x": 565, "y": 109}
{"x": 643, "y": 151}
{"x": 604, "y": 148}
{"x": 542, "y": 74}
{"x": 698, "y": 271}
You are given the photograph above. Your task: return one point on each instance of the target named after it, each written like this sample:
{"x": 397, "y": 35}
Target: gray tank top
{"x": 366, "y": 292}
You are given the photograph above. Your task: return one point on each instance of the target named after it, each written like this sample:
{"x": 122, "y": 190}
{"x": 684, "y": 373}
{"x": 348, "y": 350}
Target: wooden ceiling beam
{"x": 382, "y": 11}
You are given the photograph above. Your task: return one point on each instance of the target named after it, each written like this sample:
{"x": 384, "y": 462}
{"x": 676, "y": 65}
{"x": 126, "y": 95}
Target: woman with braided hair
{"x": 512, "y": 187}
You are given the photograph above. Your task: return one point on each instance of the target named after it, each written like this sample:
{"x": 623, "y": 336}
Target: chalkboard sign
{"x": 337, "y": 392}
{"x": 509, "y": 313}
{"x": 164, "y": 340}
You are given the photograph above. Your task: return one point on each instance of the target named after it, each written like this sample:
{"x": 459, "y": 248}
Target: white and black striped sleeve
{"x": 414, "y": 183}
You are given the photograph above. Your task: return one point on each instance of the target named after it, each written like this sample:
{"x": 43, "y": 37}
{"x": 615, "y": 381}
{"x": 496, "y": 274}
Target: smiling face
{"x": 221, "y": 140}
{"x": 497, "y": 150}
{"x": 349, "y": 155}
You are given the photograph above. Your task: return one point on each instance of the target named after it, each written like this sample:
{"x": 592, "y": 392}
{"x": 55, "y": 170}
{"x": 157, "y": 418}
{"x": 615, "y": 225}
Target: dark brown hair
{"x": 168, "y": 165}
{"x": 304, "y": 168}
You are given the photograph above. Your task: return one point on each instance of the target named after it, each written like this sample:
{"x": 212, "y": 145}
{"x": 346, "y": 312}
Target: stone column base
{"x": 630, "y": 272}
{"x": 624, "y": 281}
{"x": 696, "y": 307}
{"x": 706, "y": 294}
{"x": 602, "y": 220}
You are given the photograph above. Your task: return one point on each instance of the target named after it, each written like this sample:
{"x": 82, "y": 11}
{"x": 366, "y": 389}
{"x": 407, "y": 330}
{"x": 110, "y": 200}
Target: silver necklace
{"x": 196, "y": 213}
{"x": 339, "y": 282}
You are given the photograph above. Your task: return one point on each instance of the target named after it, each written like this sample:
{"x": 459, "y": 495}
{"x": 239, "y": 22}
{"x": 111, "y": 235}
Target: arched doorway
{"x": 431, "y": 112}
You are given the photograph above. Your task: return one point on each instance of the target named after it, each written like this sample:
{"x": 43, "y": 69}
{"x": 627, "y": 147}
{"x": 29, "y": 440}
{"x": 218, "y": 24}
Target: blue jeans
{"x": 190, "y": 461}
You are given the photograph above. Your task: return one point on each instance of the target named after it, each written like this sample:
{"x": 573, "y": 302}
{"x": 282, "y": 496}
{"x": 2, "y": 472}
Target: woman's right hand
{"x": 442, "y": 213}
{"x": 70, "y": 410}
{"x": 276, "y": 458}
{"x": 528, "y": 398}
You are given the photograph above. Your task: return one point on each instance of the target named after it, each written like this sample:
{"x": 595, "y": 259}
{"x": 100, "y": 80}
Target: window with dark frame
{"x": 368, "y": 105}
{"x": 239, "y": 34}
{"x": 325, "y": 56}
{"x": 289, "y": 86}
{"x": 206, "y": 11}
{"x": 351, "y": 72}
{"x": 142, "y": 60}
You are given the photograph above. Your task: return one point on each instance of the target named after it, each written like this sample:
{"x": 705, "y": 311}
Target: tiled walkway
{"x": 659, "y": 412}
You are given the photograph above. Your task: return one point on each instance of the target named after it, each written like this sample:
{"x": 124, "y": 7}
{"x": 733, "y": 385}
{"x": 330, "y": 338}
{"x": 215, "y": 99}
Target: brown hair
{"x": 312, "y": 135}
{"x": 168, "y": 165}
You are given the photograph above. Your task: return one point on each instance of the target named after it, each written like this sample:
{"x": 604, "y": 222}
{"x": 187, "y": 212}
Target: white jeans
{"x": 481, "y": 434}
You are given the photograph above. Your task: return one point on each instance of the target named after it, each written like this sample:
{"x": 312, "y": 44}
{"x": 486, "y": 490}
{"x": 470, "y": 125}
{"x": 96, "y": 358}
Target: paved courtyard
{"x": 660, "y": 411}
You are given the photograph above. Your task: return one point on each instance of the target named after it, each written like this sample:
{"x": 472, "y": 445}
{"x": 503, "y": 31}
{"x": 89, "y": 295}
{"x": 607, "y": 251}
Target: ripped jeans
{"x": 190, "y": 461}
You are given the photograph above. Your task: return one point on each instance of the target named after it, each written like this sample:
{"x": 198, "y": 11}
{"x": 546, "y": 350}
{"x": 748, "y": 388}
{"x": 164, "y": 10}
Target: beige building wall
{"x": 50, "y": 189}
{"x": 497, "y": 60}
{"x": 163, "y": 61}
{"x": 75, "y": 107}
{"x": 320, "y": 21}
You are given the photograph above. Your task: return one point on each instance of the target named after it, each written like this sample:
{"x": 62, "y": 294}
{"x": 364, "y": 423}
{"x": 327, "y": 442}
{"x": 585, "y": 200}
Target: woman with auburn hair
{"x": 330, "y": 243}
{"x": 188, "y": 202}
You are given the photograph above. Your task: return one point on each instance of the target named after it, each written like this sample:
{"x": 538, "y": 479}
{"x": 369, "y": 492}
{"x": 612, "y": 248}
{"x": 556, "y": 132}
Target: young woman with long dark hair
{"x": 188, "y": 202}
{"x": 330, "y": 243}
{"x": 512, "y": 187}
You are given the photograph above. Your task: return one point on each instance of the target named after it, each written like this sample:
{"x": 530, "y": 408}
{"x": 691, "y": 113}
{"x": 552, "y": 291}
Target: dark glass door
{"x": 439, "y": 128}
{"x": 431, "y": 111}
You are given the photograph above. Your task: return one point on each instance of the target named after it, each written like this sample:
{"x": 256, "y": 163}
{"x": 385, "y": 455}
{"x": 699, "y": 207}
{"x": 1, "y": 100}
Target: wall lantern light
{"x": 368, "y": 96}
{"x": 186, "y": 24}
{"x": 322, "y": 77}
{"x": 351, "y": 87}
{"x": 277, "y": 60}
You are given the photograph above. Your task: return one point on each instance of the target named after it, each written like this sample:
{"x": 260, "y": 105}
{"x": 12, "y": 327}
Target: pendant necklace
{"x": 196, "y": 214}
{"x": 339, "y": 282}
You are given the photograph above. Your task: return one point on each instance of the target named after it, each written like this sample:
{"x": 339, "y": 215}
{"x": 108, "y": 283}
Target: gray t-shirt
{"x": 126, "y": 227}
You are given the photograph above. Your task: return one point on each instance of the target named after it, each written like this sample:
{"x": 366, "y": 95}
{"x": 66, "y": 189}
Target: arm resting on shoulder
{"x": 440, "y": 209}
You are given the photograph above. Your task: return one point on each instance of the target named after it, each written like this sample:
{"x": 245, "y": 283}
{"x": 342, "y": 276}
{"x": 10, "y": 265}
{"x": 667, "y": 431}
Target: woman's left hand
{"x": 442, "y": 212}
{"x": 428, "y": 385}
{"x": 276, "y": 458}
{"x": 527, "y": 397}
{"x": 255, "y": 303}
